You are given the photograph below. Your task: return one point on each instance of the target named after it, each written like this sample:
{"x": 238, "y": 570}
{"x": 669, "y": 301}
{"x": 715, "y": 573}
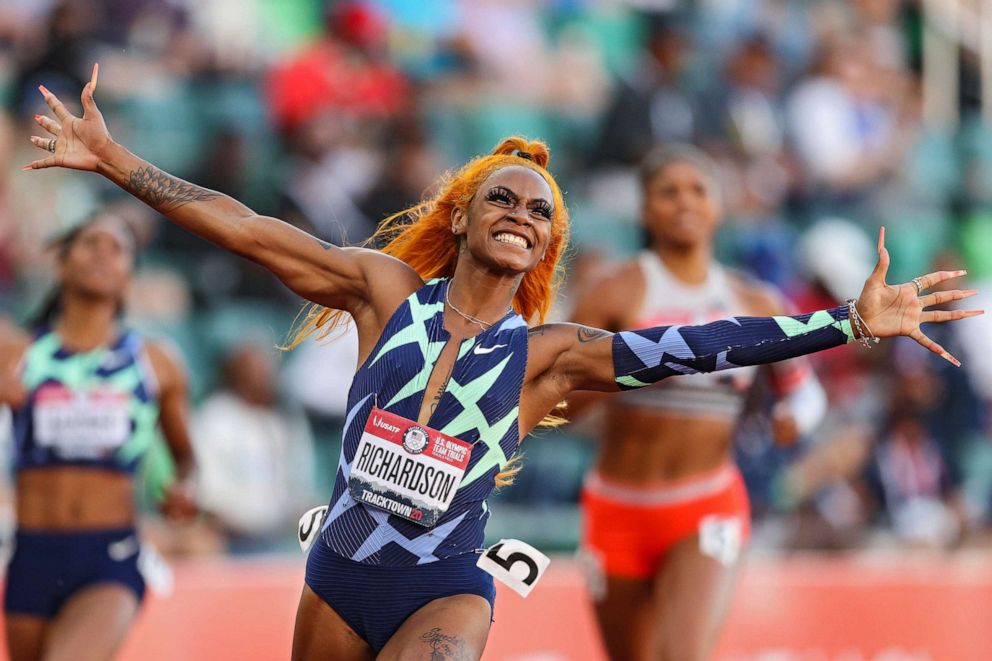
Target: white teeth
{"x": 506, "y": 237}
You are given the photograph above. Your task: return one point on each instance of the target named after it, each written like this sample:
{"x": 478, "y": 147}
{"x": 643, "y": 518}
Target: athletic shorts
{"x": 629, "y": 528}
{"x": 375, "y": 600}
{"x": 47, "y": 569}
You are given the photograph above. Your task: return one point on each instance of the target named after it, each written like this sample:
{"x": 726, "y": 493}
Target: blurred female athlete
{"x": 666, "y": 513}
{"x": 450, "y": 376}
{"x": 87, "y": 395}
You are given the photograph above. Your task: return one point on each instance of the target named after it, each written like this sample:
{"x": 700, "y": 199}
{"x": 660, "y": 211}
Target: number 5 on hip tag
{"x": 515, "y": 564}
{"x": 310, "y": 524}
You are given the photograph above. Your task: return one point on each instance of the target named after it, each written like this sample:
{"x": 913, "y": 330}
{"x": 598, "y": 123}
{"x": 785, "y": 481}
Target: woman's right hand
{"x": 78, "y": 142}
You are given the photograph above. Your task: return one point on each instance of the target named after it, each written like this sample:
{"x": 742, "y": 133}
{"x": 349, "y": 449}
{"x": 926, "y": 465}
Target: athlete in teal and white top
{"x": 495, "y": 231}
{"x": 88, "y": 397}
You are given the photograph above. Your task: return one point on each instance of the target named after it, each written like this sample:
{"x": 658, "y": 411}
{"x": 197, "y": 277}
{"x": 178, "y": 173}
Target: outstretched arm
{"x": 318, "y": 271}
{"x": 592, "y": 359}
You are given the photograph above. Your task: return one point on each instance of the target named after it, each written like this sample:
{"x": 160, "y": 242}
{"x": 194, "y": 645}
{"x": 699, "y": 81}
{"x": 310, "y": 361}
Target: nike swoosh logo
{"x": 123, "y": 549}
{"x": 484, "y": 350}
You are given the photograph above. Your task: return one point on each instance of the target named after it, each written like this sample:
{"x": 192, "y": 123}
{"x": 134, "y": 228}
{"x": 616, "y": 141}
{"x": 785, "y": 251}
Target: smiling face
{"x": 98, "y": 260}
{"x": 507, "y": 226}
{"x": 681, "y": 206}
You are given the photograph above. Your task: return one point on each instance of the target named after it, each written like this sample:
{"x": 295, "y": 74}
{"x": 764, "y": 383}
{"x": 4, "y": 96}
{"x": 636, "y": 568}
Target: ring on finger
{"x": 51, "y": 145}
{"x": 919, "y": 285}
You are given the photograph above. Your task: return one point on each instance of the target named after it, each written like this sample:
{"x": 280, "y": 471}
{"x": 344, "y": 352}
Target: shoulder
{"x": 167, "y": 362}
{"x": 612, "y": 298}
{"x": 389, "y": 281}
{"x": 759, "y": 298}
{"x": 548, "y": 341}
{"x": 14, "y": 341}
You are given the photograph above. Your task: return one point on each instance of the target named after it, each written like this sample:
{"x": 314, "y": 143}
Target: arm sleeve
{"x": 647, "y": 356}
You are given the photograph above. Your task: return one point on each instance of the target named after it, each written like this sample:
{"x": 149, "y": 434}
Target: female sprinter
{"x": 87, "y": 396}
{"x": 450, "y": 377}
{"x": 666, "y": 512}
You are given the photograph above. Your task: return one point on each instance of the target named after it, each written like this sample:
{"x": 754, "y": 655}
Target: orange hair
{"x": 421, "y": 237}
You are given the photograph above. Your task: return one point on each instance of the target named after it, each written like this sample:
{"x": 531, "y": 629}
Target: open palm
{"x": 891, "y": 310}
{"x": 76, "y": 142}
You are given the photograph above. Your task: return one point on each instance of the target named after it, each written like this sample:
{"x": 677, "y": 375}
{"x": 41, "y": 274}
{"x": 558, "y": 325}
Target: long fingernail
{"x": 37, "y": 117}
{"x": 43, "y": 89}
{"x": 26, "y": 168}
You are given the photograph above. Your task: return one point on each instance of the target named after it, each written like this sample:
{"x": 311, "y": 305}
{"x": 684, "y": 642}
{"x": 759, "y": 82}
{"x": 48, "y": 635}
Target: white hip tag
{"x": 721, "y": 538}
{"x": 156, "y": 571}
{"x": 310, "y": 524}
{"x": 516, "y": 564}
{"x": 81, "y": 424}
{"x": 407, "y": 469}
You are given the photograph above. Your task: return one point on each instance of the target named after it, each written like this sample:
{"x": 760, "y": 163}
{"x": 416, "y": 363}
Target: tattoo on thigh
{"x": 445, "y": 647}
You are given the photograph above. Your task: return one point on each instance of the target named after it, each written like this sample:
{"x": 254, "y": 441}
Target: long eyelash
{"x": 500, "y": 194}
{"x": 543, "y": 208}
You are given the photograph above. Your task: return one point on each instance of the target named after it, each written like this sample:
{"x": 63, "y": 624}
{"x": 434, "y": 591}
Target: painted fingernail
{"x": 26, "y": 168}
{"x": 44, "y": 90}
{"x": 37, "y": 117}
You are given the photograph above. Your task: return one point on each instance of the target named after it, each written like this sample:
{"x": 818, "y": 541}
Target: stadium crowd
{"x": 334, "y": 115}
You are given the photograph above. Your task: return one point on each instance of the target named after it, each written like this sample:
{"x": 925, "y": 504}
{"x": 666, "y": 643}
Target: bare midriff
{"x": 644, "y": 446}
{"x": 72, "y": 498}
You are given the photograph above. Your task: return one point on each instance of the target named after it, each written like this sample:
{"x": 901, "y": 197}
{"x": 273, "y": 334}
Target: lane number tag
{"x": 310, "y": 524}
{"x": 516, "y": 564}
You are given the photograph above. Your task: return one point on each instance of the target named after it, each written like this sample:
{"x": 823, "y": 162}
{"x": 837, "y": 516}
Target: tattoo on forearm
{"x": 165, "y": 192}
{"x": 589, "y": 334}
{"x": 445, "y": 647}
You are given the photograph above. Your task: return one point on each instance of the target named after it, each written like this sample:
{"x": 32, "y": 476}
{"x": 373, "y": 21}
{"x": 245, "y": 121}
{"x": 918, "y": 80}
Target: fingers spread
{"x": 89, "y": 105}
{"x": 40, "y": 164}
{"x": 54, "y": 103}
{"x": 48, "y": 124}
{"x": 882, "y": 266}
{"x": 939, "y": 297}
{"x": 929, "y": 344}
{"x": 931, "y": 279}
{"x": 41, "y": 143}
{"x": 938, "y": 316}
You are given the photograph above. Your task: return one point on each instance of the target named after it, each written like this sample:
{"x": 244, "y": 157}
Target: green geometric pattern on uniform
{"x": 469, "y": 395}
{"x": 820, "y": 319}
{"x": 78, "y": 372}
{"x": 630, "y": 382}
{"x": 415, "y": 333}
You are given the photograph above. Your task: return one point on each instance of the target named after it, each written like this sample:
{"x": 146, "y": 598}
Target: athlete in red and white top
{"x": 666, "y": 514}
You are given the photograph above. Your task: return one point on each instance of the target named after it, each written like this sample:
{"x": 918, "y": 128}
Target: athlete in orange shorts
{"x": 666, "y": 514}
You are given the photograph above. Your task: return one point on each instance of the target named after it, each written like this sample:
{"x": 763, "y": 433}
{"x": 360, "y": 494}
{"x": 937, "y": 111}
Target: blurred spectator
{"x": 330, "y": 104}
{"x": 916, "y": 488}
{"x": 652, "y": 104}
{"x": 847, "y": 123}
{"x": 255, "y": 456}
{"x": 346, "y": 71}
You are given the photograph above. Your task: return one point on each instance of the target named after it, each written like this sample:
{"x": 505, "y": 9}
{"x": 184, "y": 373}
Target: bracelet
{"x": 860, "y": 325}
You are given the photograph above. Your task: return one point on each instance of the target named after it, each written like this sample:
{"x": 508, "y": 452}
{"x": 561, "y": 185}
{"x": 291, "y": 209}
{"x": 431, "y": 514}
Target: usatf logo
{"x": 415, "y": 440}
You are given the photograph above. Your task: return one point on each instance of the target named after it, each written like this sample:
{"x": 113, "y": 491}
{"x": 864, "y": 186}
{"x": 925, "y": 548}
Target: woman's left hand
{"x": 891, "y": 310}
{"x": 178, "y": 504}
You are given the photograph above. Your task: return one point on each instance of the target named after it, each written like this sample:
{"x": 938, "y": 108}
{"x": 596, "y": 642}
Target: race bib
{"x": 84, "y": 424}
{"x": 516, "y": 564}
{"x": 407, "y": 469}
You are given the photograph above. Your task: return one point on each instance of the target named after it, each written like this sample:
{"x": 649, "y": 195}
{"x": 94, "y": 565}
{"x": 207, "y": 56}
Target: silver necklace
{"x": 475, "y": 320}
